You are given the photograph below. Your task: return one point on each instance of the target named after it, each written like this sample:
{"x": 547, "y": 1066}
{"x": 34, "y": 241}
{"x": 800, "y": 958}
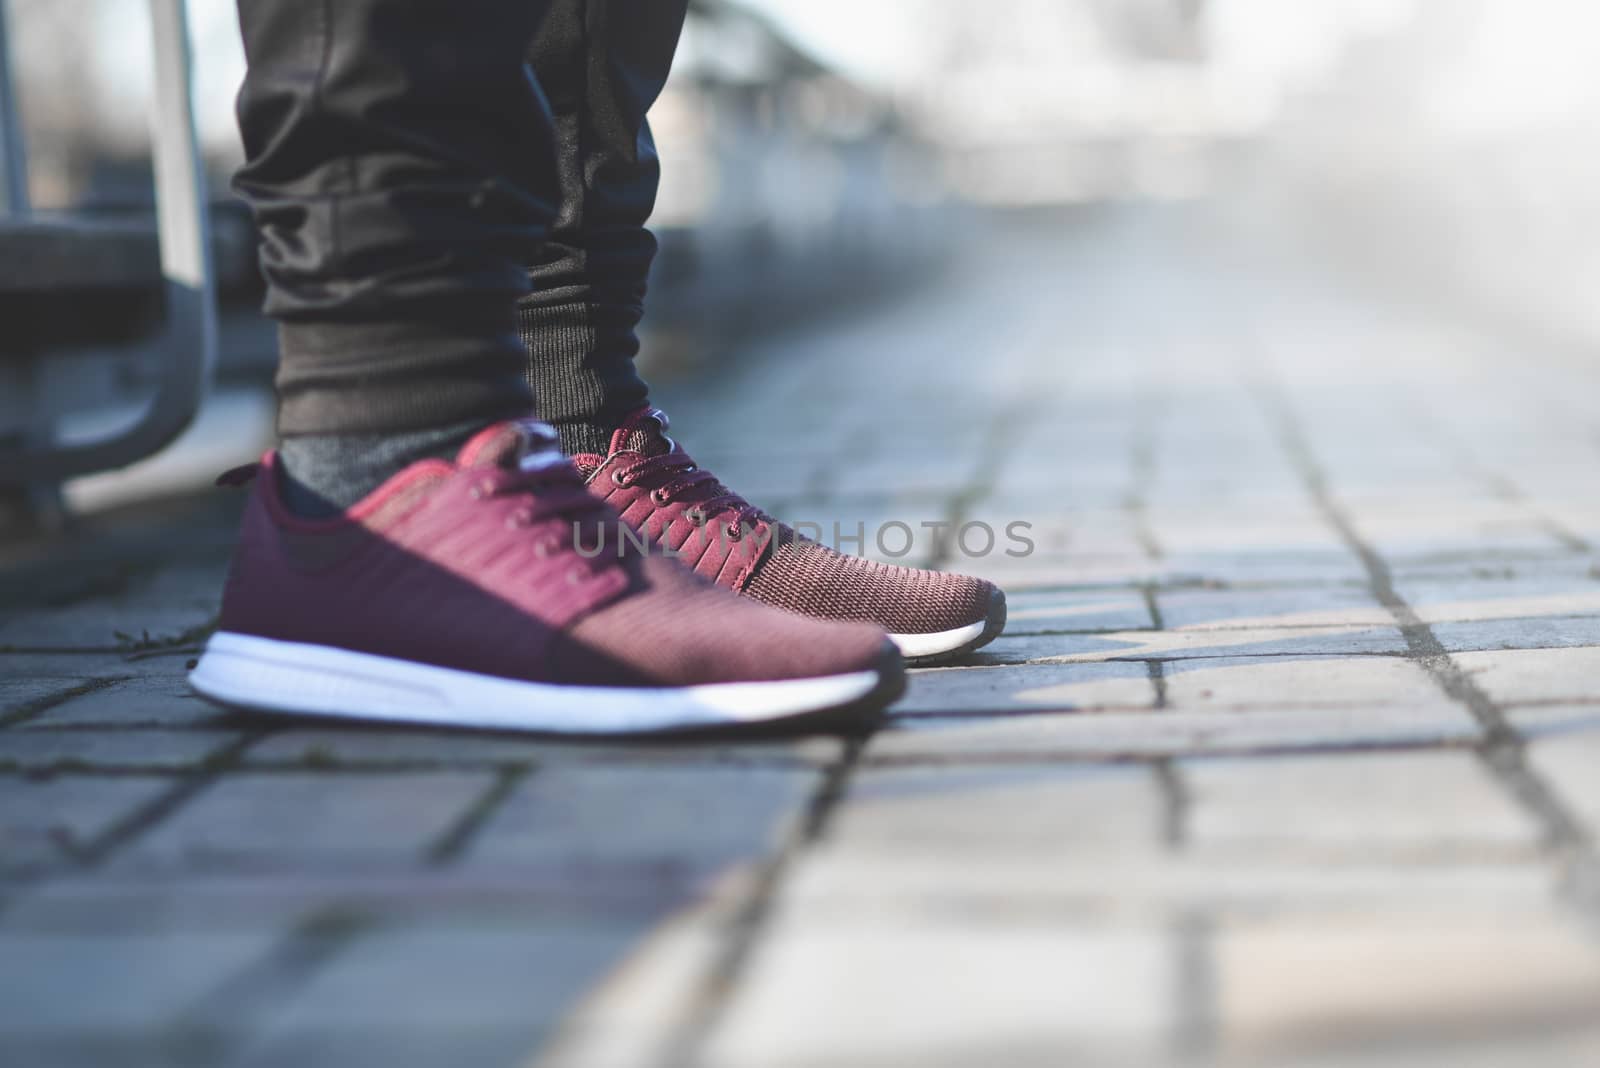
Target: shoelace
{"x": 548, "y": 495}
{"x": 673, "y": 476}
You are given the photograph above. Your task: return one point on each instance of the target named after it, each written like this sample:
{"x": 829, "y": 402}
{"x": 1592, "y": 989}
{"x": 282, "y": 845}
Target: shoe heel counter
{"x": 252, "y": 573}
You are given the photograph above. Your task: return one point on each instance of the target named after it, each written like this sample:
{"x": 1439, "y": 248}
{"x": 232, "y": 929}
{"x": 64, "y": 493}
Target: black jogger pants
{"x": 432, "y": 176}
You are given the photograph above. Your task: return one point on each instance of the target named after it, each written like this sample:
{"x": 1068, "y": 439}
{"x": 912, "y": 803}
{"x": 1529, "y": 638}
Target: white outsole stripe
{"x": 318, "y": 680}
{"x": 943, "y": 641}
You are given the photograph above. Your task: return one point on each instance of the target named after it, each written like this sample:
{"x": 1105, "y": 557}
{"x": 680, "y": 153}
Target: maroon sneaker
{"x": 932, "y": 616}
{"x": 471, "y": 594}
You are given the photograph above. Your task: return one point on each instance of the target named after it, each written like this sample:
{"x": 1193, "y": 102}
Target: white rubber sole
{"x": 944, "y": 646}
{"x": 318, "y": 680}
{"x": 938, "y": 643}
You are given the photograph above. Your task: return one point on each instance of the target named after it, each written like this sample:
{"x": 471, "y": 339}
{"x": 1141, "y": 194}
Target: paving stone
{"x": 1044, "y": 571}
{"x": 1535, "y": 633}
{"x": 158, "y": 698}
{"x": 1571, "y": 763}
{"x": 639, "y": 1008}
{"x": 35, "y": 750}
{"x": 1422, "y": 805}
{"x": 45, "y": 821}
{"x": 422, "y": 1042}
{"x": 1043, "y": 531}
{"x": 1029, "y": 613}
{"x": 675, "y": 826}
{"x": 1328, "y": 567}
{"x": 1568, "y": 570}
{"x": 1553, "y": 720}
{"x": 1381, "y": 987}
{"x": 940, "y": 470}
{"x": 88, "y": 901}
{"x": 251, "y": 821}
{"x": 164, "y": 606}
{"x": 1034, "y": 686}
{"x": 1086, "y": 485}
{"x": 434, "y": 994}
{"x": 1210, "y": 530}
{"x": 1520, "y": 676}
{"x": 123, "y": 898}
{"x": 1534, "y": 596}
{"x": 19, "y": 694}
{"x": 1475, "y": 525}
{"x": 1149, "y": 886}
{"x": 1169, "y": 733}
{"x": 1198, "y": 644}
{"x": 1253, "y": 682}
{"x": 81, "y": 994}
{"x": 1054, "y": 812}
{"x": 83, "y": 1050}
{"x": 1574, "y": 1046}
{"x": 78, "y": 666}
{"x": 341, "y": 746}
{"x": 913, "y": 990}
{"x": 1025, "y": 648}
{"x": 1301, "y": 606}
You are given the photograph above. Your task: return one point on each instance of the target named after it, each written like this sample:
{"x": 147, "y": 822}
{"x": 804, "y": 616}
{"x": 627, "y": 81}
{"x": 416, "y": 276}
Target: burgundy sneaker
{"x": 471, "y": 594}
{"x": 932, "y": 616}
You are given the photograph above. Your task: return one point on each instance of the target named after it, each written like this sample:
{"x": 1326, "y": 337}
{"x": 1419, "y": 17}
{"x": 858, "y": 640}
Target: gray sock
{"x": 323, "y": 474}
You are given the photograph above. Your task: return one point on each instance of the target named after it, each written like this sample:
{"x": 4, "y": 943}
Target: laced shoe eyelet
{"x": 695, "y": 517}
{"x": 658, "y": 497}
{"x": 620, "y": 478}
{"x": 736, "y": 533}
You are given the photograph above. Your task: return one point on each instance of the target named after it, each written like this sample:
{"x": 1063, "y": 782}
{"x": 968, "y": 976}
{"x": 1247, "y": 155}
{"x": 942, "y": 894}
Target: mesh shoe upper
{"x": 681, "y": 630}
{"x": 816, "y": 580}
{"x": 659, "y": 489}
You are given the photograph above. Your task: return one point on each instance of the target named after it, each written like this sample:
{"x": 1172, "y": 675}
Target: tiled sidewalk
{"x": 1291, "y": 754}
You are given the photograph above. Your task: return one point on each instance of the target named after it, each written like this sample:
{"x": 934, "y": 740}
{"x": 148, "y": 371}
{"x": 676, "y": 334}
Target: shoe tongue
{"x": 643, "y": 432}
{"x": 527, "y": 444}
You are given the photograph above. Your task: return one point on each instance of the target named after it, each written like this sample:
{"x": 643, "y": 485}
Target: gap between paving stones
{"x": 243, "y": 1000}
{"x": 1004, "y": 430}
{"x": 1036, "y": 756}
{"x": 1500, "y": 568}
{"x": 1032, "y": 755}
{"x": 226, "y": 1016}
{"x": 708, "y": 1004}
{"x": 1498, "y": 484}
{"x": 1503, "y": 749}
{"x": 1225, "y": 627}
{"x": 1079, "y": 658}
{"x": 329, "y": 931}
{"x": 39, "y": 706}
{"x": 149, "y": 815}
{"x": 457, "y": 837}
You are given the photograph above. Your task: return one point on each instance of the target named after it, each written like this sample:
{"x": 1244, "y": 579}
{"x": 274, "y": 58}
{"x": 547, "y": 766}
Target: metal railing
{"x": 183, "y": 228}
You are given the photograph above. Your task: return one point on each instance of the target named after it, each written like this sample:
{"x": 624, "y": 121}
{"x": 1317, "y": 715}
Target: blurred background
{"x": 822, "y": 152}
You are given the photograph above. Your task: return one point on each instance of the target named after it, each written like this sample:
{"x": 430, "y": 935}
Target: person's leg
{"x": 400, "y": 163}
{"x": 602, "y": 64}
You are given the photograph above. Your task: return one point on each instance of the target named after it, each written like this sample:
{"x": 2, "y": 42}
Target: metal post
{"x": 13, "y": 156}
{"x": 183, "y": 216}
